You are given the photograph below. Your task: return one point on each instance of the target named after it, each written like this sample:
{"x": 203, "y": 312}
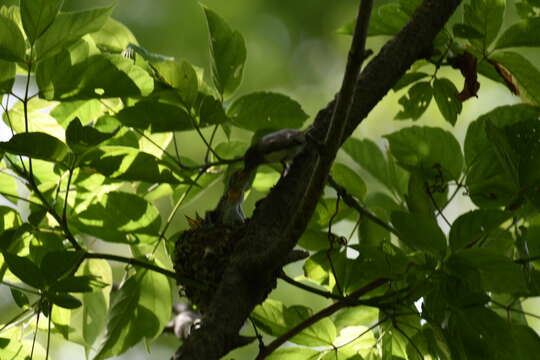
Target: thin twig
{"x": 308, "y": 288}
{"x": 351, "y": 201}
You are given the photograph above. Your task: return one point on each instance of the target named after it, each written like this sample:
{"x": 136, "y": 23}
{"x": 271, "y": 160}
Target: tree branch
{"x": 280, "y": 219}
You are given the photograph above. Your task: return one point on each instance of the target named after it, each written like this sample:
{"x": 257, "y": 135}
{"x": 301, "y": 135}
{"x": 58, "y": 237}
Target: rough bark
{"x": 280, "y": 219}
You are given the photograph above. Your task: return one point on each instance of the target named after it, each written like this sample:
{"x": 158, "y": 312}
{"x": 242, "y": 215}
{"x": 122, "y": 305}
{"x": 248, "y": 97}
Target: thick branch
{"x": 280, "y": 219}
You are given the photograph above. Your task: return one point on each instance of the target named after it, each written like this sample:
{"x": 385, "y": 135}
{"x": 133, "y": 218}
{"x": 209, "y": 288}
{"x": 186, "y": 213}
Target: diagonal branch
{"x": 280, "y": 219}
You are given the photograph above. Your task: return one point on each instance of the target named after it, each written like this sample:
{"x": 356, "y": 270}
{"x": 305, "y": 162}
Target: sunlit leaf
{"x": 38, "y": 15}
{"x": 228, "y": 52}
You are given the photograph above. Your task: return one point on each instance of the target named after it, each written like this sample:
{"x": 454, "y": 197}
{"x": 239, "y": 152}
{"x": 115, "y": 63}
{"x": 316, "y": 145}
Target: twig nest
{"x": 202, "y": 255}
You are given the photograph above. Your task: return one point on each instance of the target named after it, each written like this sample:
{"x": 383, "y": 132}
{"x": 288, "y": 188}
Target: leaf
{"x": 473, "y": 226}
{"x": 20, "y": 298}
{"x": 120, "y": 217}
{"x": 522, "y": 33}
{"x": 420, "y": 232}
{"x": 80, "y": 138}
{"x": 466, "y": 32}
{"x": 138, "y": 311}
{"x": 275, "y": 319}
{"x": 433, "y": 152}
{"x": 368, "y": 155}
{"x": 526, "y": 74}
{"x": 86, "y": 110}
{"x": 65, "y": 300}
{"x": 155, "y": 304}
{"x": 90, "y": 321}
{"x": 97, "y": 76}
{"x": 126, "y": 163}
{"x": 486, "y": 16}
{"x": 157, "y": 117}
{"x": 416, "y": 101}
{"x": 181, "y": 76}
{"x": 349, "y": 179}
{"x": 38, "y": 15}
{"x": 294, "y": 353}
{"x": 25, "y": 270}
{"x": 56, "y": 265}
{"x": 407, "y": 79}
{"x": 67, "y": 28}
{"x": 387, "y": 19}
{"x": 486, "y": 269}
{"x": 38, "y": 118}
{"x": 487, "y": 181}
{"x": 228, "y": 52}
{"x": 113, "y": 36}
{"x": 265, "y": 110}
{"x": 37, "y": 145}
{"x": 12, "y": 44}
{"x": 7, "y": 76}
{"x": 446, "y": 97}
{"x": 506, "y": 156}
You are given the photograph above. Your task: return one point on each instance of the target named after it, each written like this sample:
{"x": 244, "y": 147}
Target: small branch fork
{"x": 280, "y": 219}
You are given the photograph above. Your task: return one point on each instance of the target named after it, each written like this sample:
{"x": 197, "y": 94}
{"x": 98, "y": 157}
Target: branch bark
{"x": 280, "y": 219}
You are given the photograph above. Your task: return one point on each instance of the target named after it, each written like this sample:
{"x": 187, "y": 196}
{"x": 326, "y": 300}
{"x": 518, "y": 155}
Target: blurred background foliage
{"x": 292, "y": 47}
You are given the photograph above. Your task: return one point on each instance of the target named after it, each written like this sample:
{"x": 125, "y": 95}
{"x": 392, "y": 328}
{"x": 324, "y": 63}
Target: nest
{"x": 202, "y": 254}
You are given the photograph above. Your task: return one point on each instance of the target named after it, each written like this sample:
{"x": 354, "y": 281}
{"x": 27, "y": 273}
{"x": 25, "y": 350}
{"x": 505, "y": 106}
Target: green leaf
{"x": 275, "y": 319}
{"x": 96, "y": 76}
{"x": 294, "y": 353}
{"x": 474, "y": 226}
{"x": 20, "y": 298}
{"x": 7, "y": 76}
{"x": 126, "y": 163}
{"x": 37, "y": 145}
{"x": 526, "y": 74}
{"x": 155, "y": 304}
{"x": 522, "y": 33}
{"x": 38, "y": 15}
{"x": 81, "y": 138}
{"x": 58, "y": 264}
{"x": 434, "y": 152}
{"x": 157, "y": 117}
{"x": 90, "y": 322}
{"x": 86, "y": 110}
{"x": 416, "y": 101}
{"x": 8, "y": 185}
{"x": 419, "y": 232}
{"x": 113, "y": 36}
{"x": 75, "y": 284}
{"x": 349, "y": 179}
{"x": 486, "y": 16}
{"x": 67, "y": 28}
{"x": 120, "y": 217}
{"x": 408, "y": 79}
{"x": 38, "y": 118}
{"x": 387, "y": 19}
{"x": 228, "y": 52}
{"x": 466, "y": 32}
{"x": 527, "y": 342}
{"x": 506, "y": 156}
{"x": 139, "y": 310}
{"x": 446, "y": 97}
{"x": 487, "y": 181}
{"x": 488, "y": 270}
{"x": 368, "y": 155}
{"x": 65, "y": 300}
{"x": 25, "y": 270}
{"x": 12, "y": 44}
{"x": 181, "y": 76}
{"x": 265, "y": 110}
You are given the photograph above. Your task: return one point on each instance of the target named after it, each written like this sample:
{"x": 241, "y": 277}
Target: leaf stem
{"x": 351, "y": 201}
{"x": 308, "y": 288}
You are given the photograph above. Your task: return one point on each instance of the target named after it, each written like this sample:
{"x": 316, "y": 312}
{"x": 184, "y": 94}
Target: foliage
{"x": 94, "y": 155}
